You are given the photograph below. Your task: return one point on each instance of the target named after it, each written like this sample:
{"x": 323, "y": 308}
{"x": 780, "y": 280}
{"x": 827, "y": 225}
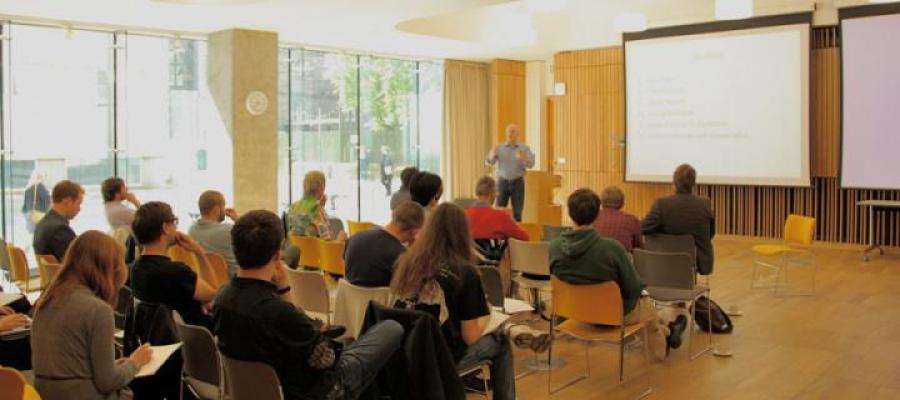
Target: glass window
{"x": 172, "y": 142}
{"x": 58, "y": 116}
{"x": 431, "y": 115}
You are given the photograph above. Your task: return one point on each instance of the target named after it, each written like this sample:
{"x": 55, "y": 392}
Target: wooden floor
{"x": 842, "y": 343}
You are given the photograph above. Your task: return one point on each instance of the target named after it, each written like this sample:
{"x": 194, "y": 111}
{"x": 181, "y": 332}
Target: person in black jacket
{"x": 255, "y": 321}
{"x": 35, "y": 200}
{"x": 685, "y": 213}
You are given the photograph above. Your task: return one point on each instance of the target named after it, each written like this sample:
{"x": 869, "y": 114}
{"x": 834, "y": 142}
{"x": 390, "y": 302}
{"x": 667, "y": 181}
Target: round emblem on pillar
{"x": 257, "y": 103}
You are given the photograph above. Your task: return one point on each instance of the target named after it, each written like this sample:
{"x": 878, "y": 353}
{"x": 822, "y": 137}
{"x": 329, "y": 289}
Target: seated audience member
{"x": 684, "y": 213}
{"x": 426, "y": 189}
{"x": 255, "y": 321}
{"x": 211, "y": 231}
{"x": 581, "y": 256}
{"x": 53, "y": 234}
{"x": 613, "y": 223}
{"x": 437, "y": 275}
{"x": 14, "y": 353}
{"x": 370, "y": 255}
{"x": 487, "y": 222}
{"x": 114, "y": 193}
{"x": 307, "y": 217}
{"x": 402, "y": 195}
{"x": 72, "y": 335}
{"x": 157, "y": 279}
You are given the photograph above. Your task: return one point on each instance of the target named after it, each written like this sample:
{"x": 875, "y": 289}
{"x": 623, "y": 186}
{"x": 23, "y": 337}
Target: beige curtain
{"x": 466, "y": 140}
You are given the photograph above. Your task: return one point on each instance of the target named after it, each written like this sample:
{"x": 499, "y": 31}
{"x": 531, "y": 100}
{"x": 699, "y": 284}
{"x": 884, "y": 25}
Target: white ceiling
{"x": 372, "y": 25}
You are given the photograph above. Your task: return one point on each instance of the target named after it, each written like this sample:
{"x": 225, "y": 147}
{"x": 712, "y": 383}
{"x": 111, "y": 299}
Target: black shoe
{"x": 334, "y": 331}
{"x": 676, "y": 328}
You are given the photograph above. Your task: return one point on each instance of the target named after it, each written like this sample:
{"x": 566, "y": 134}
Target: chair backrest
{"x": 799, "y": 229}
{"x": 355, "y": 227}
{"x": 351, "y": 302}
{"x": 665, "y": 243}
{"x": 248, "y": 380}
{"x": 309, "y": 249}
{"x": 599, "y": 303}
{"x": 666, "y": 270}
{"x": 18, "y": 264}
{"x": 180, "y": 254}
{"x": 530, "y": 257}
{"x": 308, "y": 290}
{"x": 465, "y": 202}
{"x": 120, "y": 235}
{"x": 12, "y": 383}
{"x": 124, "y": 304}
{"x": 492, "y": 284}
{"x": 201, "y": 357}
{"x": 331, "y": 256}
{"x": 535, "y": 231}
{"x": 44, "y": 262}
{"x": 219, "y": 267}
{"x": 551, "y": 232}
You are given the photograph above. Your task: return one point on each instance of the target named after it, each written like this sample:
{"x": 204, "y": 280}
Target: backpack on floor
{"x": 721, "y": 323}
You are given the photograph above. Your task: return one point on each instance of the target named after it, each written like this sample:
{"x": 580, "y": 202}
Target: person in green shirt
{"x": 581, "y": 256}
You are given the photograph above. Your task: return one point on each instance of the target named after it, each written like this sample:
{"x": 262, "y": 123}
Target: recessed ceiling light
{"x": 630, "y": 22}
{"x": 734, "y": 9}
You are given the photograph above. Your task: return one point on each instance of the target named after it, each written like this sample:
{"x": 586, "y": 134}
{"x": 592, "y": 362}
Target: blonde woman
{"x": 307, "y": 217}
{"x": 72, "y": 334}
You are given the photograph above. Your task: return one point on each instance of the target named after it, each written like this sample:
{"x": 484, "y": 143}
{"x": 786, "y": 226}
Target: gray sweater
{"x": 73, "y": 351}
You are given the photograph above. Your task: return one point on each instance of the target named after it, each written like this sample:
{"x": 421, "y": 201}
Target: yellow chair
{"x": 219, "y": 267}
{"x": 794, "y": 250}
{"x": 309, "y": 250}
{"x": 355, "y": 227}
{"x": 585, "y": 307}
{"x": 331, "y": 257}
{"x": 48, "y": 266}
{"x": 535, "y": 231}
{"x": 178, "y": 253}
{"x": 19, "y": 271}
{"x": 14, "y": 386}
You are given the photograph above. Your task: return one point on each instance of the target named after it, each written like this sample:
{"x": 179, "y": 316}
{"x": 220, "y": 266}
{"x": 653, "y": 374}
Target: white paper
{"x": 7, "y": 298}
{"x": 160, "y": 355}
{"x": 515, "y": 306}
{"x": 497, "y": 319}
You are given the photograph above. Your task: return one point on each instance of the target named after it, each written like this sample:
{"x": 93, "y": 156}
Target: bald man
{"x": 512, "y": 159}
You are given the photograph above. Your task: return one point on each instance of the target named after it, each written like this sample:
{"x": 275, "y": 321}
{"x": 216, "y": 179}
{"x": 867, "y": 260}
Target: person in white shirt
{"x": 115, "y": 193}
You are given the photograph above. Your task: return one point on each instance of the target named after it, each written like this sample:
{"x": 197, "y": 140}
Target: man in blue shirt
{"x": 512, "y": 159}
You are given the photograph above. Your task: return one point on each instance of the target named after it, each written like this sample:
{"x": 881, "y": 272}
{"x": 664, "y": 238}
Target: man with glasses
{"x": 157, "y": 279}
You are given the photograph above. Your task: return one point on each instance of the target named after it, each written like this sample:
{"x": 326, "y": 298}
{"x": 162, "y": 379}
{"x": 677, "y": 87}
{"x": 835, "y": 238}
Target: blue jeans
{"x": 360, "y": 362}
{"x": 512, "y": 189}
{"x": 494, "y": 347}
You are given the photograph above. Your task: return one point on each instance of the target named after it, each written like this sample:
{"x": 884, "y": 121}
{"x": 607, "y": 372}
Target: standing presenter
{"x": 512, "y": 159}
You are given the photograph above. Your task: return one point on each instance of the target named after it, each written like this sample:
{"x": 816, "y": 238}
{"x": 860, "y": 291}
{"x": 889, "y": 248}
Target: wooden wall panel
{"x": 589, "y": 125}
{"x": 507, "y": 98}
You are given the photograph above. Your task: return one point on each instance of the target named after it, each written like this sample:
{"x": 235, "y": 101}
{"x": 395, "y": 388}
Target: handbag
{"x": 36, "y": 216}
{"x": 721, "y": 323}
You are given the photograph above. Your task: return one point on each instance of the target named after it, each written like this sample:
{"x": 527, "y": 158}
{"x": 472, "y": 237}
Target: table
{"x": 872, "y": 205}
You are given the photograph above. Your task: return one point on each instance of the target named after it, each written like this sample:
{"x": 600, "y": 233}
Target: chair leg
{"x": 485, "y": 377}
{"x": 621, "y": 360}
{"x": 649, "y": 389}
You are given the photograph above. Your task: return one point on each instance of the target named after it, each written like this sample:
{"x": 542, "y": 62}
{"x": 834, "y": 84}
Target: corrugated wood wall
{"x": 589, "y": 130}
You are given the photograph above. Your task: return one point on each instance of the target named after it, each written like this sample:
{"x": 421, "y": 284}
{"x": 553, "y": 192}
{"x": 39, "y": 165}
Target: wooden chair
{"x": 309, "y": 250}
{"x": 48, "y": 267}
{"x": 14, "y": 386}
{"x": 355, "y": 227}
{"x": 19, "y": 271}
{"x": 585, "y": 307}
{"x": 532, "y": 261}
{"x": 331, "y": 257}
{"x": 219, "y": 267}
{"x": 178, "y": 253}
{"x": 794, "y": 250}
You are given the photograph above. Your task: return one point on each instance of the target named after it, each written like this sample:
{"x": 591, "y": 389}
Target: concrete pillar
{"x": 243, "y": 80}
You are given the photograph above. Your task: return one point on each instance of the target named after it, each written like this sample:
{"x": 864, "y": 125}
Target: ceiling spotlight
{"x": 734, "y": 9}
{"x": 630, "y": 22}
{"x": 545, "y": 5}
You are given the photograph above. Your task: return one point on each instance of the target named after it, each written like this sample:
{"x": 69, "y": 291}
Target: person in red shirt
{"x": 487, "y": 222}
{"x": 615, "y": 224}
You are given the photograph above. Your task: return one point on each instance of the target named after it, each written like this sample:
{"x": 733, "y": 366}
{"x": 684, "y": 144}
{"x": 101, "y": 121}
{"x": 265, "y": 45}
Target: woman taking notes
{"x": 72, "y": 332}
